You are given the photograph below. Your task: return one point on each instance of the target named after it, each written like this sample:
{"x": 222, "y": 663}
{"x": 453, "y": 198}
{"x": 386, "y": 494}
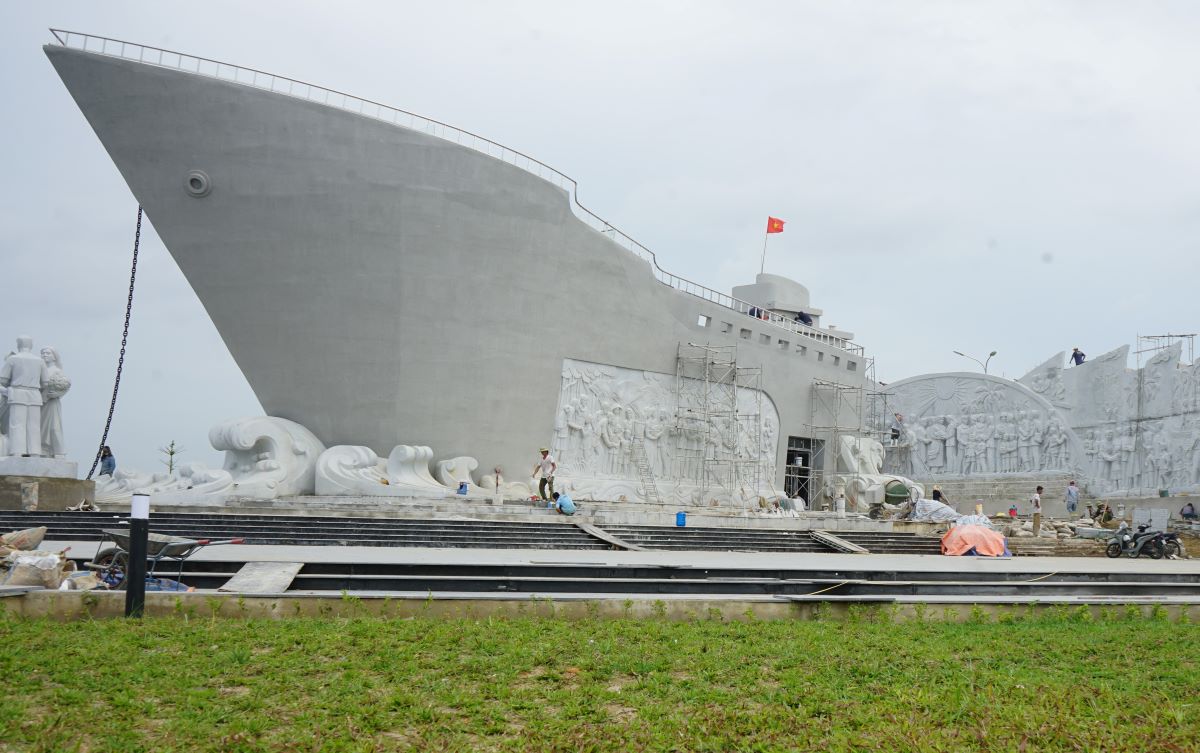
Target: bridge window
{"x": 745, "y": 334}
{"x": 764, "y": 339}
{"x": 851, "y": 365}
{"x": 783, "y": 344}
{"x": 703, "y": 321}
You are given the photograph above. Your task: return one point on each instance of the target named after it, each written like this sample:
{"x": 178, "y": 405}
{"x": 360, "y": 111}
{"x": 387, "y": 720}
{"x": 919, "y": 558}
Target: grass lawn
{"x": 1053, "y": 682}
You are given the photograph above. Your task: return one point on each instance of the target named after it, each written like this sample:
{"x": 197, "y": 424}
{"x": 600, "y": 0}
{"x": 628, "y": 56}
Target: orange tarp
{"x": 960, "y": 540}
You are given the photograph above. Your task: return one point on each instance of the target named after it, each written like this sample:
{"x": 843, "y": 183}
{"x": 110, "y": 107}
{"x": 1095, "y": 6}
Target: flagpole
{"x": 763, "y": 265}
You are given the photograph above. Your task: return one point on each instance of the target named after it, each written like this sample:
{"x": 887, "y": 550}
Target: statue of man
{"x": 24, "y": 375}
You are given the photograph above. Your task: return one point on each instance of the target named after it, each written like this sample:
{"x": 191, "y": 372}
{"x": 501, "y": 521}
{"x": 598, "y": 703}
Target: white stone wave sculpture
{"x": 350, "y": 470}
{"x": 454, "y": 471}
{"x": 265, "y": 458}
{"x": 268, "y": 457}
{"x": 409, "y": 465}
{"x": 508, "y": 489}
{"x": 192, "y": 483}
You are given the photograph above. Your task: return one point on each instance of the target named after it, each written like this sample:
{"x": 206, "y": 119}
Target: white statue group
{"x": 31, "y": 391}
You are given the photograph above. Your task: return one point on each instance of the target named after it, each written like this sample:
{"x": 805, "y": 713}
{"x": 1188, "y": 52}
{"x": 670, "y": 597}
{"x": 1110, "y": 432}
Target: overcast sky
{"x": 1011, "y": 176}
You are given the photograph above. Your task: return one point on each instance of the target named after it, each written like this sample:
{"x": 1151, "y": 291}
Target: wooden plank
{"x": 263, "y": 578}
{"x": 607, "y": 537}
{"x": 837, "y": 542}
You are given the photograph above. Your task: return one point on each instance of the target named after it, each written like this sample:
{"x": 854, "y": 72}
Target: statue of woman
{"x": 57, "y": 385}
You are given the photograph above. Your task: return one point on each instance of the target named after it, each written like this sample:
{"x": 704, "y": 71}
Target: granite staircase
{"x": 443, "y": 533}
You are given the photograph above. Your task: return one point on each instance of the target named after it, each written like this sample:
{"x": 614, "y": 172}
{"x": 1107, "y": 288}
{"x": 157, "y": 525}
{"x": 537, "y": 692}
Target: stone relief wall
{"x": 1122, "y": 431}
{"x": 606, "y": 413}
{"x": 973, "y": 424}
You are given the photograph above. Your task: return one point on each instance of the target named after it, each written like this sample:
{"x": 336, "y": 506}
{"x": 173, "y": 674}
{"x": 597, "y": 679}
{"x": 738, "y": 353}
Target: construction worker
{"x": 564, "y": 504}
{"x": 546, "y": 466}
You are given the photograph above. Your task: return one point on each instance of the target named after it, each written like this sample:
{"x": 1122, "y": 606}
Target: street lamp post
{"x": 984, "y": 364}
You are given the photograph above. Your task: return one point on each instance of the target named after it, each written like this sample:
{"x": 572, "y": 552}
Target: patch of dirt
{"x": 620, "y": 682}
{"x": 619, "y": 713}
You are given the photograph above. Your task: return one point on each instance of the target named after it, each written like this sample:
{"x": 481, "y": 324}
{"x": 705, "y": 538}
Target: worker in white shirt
{"x": 546, "y": 466}
{"x": 1036, "y": 501}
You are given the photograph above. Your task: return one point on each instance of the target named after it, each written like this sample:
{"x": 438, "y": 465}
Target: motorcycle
{"x": 1135, "y": 544}
{"x": 1172, "y": 546}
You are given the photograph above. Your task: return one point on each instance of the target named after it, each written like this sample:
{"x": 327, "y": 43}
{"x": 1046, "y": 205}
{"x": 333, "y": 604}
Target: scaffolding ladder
{"x": 642, "y": 460}
{"x": 718, "y": 419}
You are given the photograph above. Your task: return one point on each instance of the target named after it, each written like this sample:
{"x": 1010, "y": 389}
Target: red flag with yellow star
{"x": 774, "y": 225}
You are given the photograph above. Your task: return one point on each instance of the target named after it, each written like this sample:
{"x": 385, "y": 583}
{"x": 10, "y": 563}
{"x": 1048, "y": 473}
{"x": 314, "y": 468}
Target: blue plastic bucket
{"x": 681, "y": 518}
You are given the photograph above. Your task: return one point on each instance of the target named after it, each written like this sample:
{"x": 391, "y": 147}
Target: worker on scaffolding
{"x": 897, "y": 428}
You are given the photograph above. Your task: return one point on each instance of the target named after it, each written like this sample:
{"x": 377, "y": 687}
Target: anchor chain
{"x": 112, "y": 406}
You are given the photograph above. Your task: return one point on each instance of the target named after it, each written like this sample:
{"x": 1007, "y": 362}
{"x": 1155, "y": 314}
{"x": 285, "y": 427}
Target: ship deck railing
{"x": 238, "y": 74}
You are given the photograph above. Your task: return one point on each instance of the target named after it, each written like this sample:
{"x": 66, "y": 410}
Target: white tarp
{"x": 929, "y": 511}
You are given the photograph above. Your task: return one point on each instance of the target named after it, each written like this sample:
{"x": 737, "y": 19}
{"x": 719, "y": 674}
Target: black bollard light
{"x": 135, "y": 574}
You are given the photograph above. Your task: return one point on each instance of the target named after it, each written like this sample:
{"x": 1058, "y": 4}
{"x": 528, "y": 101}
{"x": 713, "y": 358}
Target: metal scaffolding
{"x": 1155, "y": 343}
{"x": 835, "y": 410}
{"x": 718, "y": 419}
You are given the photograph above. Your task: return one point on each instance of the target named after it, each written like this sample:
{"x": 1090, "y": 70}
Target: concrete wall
{"x": 74, "y": 605}
{"x": 382, "y": 286}
{"x": 38, "y": 493}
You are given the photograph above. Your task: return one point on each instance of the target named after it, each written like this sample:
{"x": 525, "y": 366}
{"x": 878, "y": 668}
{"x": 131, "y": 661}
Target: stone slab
{"x": 838, "y": 543}
{"x": 41, "y": 467}
{"x": 30, "y": 493}
{"x": 263, "y": 578}
{"x": 607, "y": 537}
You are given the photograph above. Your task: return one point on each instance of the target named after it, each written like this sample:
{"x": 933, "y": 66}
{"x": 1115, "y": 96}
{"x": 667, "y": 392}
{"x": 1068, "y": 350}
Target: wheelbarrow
{"x": 111, "y": 564}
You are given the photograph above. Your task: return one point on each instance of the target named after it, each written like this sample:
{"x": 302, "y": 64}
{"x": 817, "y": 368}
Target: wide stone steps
{"x": 313, "y": 531}
{"x": 441, "y": 533}
{"x": 682, "y": 538}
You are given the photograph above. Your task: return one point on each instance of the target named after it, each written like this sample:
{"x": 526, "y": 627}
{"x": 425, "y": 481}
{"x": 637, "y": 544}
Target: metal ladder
{"x": 644, "y": 472}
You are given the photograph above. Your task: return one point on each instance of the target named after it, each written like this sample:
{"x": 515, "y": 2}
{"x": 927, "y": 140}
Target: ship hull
{"x": 384, "y": 286}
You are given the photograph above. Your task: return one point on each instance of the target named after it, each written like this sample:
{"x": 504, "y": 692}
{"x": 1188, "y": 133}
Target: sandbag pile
{"x": 25, "y": 540}
{"x": 36, "y": 568}
{"x": 25, "y": 565}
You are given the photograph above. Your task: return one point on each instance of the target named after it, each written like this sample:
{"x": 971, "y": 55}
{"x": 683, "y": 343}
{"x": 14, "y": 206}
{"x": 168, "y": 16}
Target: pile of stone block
{"x": 1023, "y": 529}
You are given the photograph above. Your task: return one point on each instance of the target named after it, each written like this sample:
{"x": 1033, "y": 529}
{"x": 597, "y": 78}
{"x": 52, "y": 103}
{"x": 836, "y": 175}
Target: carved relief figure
{"x": 1129, "y": 471}
{"x": 935, "y": 445}
{"x": 984, "y": 432}
{"x": 1055, "y": 444}
{"x": 1008, "y": 451}
{"x": 1024, "y": 441}
{"x": 962, "y": 441}
{"x": 1108, "y": 453}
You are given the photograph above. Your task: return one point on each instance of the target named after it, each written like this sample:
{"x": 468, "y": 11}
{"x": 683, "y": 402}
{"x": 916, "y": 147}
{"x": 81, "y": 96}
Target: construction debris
{"x": 45, "y": 569}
